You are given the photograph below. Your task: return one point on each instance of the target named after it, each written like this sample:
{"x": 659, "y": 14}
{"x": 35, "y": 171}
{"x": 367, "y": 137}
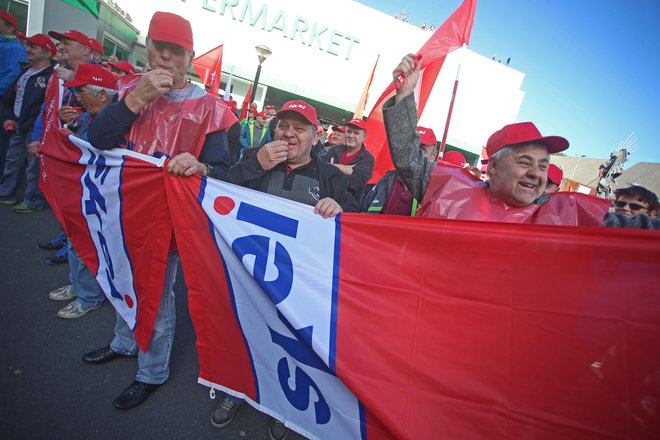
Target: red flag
{"x": 246, "y": 103}
{"x": 359, "y": 110}
{"x": 451, "y": 35}
{"x": 208, "y": 67}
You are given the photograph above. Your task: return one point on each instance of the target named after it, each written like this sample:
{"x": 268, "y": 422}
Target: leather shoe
{"x": 134, "y": 395}
{"x": 101, "y": 356}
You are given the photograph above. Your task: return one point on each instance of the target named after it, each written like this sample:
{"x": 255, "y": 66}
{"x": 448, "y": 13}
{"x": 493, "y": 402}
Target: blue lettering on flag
{"x": 102, "y": 169}
{"x": 109, "y": 271}
{"x": 299, "y": 397}
{"x": 95, "y": 200}
{"x": 267, "y": 220}
{"x": 257, "y": 245}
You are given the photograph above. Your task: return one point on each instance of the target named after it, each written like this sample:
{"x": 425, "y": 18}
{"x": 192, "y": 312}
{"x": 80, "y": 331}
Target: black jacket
{"x": 364, "y": 168}
{"x": 33, "y": 97}
{"x": 249, "y": 174}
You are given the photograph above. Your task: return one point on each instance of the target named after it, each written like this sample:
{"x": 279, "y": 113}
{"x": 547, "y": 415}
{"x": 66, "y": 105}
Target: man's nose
{"x": 536, "y": 171}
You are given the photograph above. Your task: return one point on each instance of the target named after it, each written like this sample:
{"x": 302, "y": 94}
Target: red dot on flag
{"x": 129, "y": 301}
{"x": 223, "y": 205}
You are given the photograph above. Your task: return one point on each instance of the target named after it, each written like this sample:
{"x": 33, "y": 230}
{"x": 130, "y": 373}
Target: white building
{"x": 325, "y": 52}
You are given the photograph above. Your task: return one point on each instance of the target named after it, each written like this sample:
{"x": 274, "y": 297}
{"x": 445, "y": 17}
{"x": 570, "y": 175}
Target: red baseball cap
{"x": 454, "y": 157}
{"x": 93, "y": 74}
{"x": 302, "y": 108}
{"x": 427, "y": 136}
{"x": 555, "y": 174}
{"x": 171, "y": 28}
{"x": 72, "y": 35}
{"x": 124, "y": 66}
{"x": 523, "y": 132}
{"x": 358, "y": 123}
{"x": 43, "y": 40}
{"x": 96, "y": 45}
{"x": 9, "y": 18}
{"x": 262, "y": 115}
{"x": 340, "y": 128}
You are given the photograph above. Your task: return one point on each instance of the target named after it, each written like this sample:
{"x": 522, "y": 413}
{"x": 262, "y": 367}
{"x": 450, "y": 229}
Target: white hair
{"x": 98, "y": 89}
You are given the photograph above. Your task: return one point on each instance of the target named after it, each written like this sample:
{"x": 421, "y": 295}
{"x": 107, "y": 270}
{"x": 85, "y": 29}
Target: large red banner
{"x": 435, "y": 328}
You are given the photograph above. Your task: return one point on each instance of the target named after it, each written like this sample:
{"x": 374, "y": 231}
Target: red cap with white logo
{"x": 43, "y": 40}
{"x": 302, "y": 108}
{"x": 357, "y": 123}
{"x": 427, "y": 136}
{"x": 124, "y": 66}
{"x": 72, "y": 35}
{"x": 92, "y": 74}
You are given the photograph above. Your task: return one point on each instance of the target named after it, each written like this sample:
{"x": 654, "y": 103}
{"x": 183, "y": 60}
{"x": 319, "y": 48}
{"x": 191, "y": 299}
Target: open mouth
{"x": 527, "y": 185}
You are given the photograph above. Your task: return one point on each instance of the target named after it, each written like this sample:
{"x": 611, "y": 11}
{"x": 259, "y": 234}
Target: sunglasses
{"x": 633, "y": 206}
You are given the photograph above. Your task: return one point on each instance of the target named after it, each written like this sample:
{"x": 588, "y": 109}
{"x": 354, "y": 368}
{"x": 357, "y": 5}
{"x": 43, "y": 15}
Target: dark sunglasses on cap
{"x": 633, "y": 206}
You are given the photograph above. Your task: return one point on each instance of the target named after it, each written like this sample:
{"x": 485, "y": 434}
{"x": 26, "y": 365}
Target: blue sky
{"x": 592, "y": 68}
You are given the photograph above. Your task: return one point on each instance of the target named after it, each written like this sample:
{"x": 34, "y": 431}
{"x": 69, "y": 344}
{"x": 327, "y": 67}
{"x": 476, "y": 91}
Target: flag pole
{"x": 441, "y": 151}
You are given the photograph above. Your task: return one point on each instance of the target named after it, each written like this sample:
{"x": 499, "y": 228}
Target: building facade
{"x": 323, "y": 52}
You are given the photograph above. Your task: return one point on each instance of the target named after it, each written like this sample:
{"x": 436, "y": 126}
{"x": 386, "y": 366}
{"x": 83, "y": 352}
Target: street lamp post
{"x": 263, "y": 52}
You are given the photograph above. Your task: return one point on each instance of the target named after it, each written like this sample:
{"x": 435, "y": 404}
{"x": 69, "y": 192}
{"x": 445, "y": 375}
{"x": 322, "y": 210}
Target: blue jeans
{"x": 33, "y": 197}
{"x": 85, "y": 286}
{"x": 14, "y": 164}
{"x": 154, "y": 364}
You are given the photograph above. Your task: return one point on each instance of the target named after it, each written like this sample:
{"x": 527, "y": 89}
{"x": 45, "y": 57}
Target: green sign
{"x": 312, "y": 34}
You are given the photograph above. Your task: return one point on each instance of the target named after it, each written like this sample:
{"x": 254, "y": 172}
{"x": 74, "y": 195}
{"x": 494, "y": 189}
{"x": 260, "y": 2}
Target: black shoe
{"x": 134, "y": 395}
{"x": 60, "y": 257}
{"x": 277, "y": 430}
{"x": 101, "y": 356}
{"x": 56, "y": 243}
{"x": 224, "y": 413}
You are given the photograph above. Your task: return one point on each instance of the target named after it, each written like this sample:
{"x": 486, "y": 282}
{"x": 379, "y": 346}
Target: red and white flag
{"x": 380, "y": 327}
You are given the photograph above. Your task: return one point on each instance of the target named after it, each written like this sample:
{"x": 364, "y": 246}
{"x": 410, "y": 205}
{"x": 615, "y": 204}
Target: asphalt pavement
{"x": 48, "y": 392}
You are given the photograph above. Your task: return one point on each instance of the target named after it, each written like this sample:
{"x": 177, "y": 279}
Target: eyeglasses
{"x": 633, "y": 206}
{"x": 81, "y": 94}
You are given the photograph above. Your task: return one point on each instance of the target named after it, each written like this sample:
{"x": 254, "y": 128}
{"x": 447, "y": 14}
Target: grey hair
{"x": 98, "y": 89}
{"x": 504, "y": 152}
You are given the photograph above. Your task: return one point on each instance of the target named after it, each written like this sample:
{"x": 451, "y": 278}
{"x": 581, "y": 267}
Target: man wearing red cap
{"x": 25, "y": 99}
{"x": 97, "y": 49}
{"x": 353, "y": 159}
{"x": 95, "y": 87}
{"x": 74, "y": 49}
{"x": 390, "y": 195}
{"x": 255, "y": 133}
{"x": 337, "y": 136}
{"x": 11, "y": 55}
{"x": 519, "y": 157}
{"x": 137, "y": 122}
{"x": 271, "y": 111}
{"x": 286, "y": 167}
{"x": 555, "y": 174}
{"x": 122, "y": 68}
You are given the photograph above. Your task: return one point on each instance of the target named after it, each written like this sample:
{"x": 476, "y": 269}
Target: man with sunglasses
{"x": 635, "y": 200}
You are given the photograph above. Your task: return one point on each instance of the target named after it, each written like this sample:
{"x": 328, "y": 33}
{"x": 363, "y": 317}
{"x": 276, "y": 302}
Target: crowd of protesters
{"x": 279, "y": 152}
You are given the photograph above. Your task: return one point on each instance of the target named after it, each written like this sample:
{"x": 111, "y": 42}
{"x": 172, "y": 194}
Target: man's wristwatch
{"x": 208, "y": 169}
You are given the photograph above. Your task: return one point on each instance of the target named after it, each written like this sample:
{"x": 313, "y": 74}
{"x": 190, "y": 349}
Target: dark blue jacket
{"x": 33, "y": 97}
